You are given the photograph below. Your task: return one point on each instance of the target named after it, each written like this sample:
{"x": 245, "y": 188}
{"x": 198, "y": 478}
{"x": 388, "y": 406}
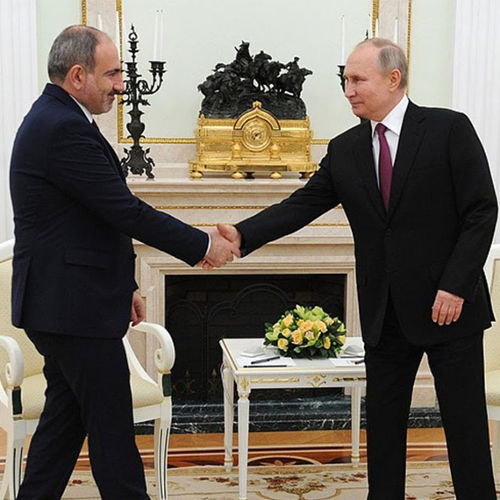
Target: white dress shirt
{"x": 394, "y": 122}
{"x": 86, "y": 112}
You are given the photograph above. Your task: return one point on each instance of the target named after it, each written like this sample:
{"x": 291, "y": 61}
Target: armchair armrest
{"x": 165, "y": 355}
{"x": 14, "y": 369}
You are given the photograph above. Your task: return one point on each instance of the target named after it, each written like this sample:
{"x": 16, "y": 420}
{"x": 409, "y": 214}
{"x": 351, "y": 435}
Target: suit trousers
{"x": 458, "y": 369}
{"x": 88, "y": 394}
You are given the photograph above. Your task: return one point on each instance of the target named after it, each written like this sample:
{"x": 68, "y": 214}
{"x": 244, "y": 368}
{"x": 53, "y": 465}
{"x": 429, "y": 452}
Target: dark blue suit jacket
{"x": 74, "y": 219}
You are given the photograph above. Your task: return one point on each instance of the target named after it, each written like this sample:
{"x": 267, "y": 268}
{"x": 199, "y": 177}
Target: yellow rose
{"x": 341, "y": 338}
{"x": 320, "y": 325}
{"x": 306, "y": 325}
{"x": 298, "y": 337}
{"x": 282, "y": 344}
{"x": 288, "y": 320}
{"x": 286, "y": 332}
{"x": 327, "y": 343}
{"x": 300, "y": 322}
{"x": 329, "y": 321}
{"x": 310, "y": 336}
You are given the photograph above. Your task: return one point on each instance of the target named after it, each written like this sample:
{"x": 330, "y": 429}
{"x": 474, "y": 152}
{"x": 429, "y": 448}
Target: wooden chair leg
{"x": 495, "y": 446}
{"x": 162, "y": 434}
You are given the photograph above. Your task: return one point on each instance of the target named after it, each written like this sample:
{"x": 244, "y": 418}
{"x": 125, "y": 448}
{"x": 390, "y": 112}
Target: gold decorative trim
{"x": 244, "y": 384}
{"x": 333, "y": 224}
{"x": 375, "y": 13}
{"x": 84, "y": 12}
{"x": 218, "y": 207}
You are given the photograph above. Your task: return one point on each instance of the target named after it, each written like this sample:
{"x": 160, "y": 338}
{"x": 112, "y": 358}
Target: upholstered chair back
{"x": 33, "y": 361}
{"x": 492, "y": 336}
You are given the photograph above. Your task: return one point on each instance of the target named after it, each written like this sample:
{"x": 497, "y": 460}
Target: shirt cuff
{"x": 209, "y": 245}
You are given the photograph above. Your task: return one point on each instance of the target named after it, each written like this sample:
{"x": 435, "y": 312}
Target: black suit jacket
{"x": 435, "y": 235}
{"x": 73, "y": 267}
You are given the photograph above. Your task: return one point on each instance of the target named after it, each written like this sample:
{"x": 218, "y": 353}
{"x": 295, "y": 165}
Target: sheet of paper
{"x": 345, "y": 362}
{"x": 280, "y": 362}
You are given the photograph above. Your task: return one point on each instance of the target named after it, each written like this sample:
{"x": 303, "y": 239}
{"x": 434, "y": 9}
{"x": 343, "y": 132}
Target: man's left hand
{"x": 138, "y": 309}
{"x": 447, "y": 308}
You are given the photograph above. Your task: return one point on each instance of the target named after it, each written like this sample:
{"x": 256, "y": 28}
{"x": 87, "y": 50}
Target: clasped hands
{"x": 225, "y": 246}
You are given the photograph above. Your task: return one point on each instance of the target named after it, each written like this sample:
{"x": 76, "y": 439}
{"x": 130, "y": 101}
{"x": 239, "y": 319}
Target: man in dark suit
{"x": 73, "y": 270}
{"x": 415, "y": 185}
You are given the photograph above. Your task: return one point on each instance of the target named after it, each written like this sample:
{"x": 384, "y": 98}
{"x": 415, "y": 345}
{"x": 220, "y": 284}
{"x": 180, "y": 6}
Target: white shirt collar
{"x": 86, "y": 112}
{"x": 394, "y": 120}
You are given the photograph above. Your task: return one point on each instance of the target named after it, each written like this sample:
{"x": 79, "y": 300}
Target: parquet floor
{"x": 308, "y": 447}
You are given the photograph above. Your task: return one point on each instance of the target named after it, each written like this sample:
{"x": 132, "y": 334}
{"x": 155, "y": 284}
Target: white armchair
{"x": 492, "y": 354}
{"x": 22, "y": 387}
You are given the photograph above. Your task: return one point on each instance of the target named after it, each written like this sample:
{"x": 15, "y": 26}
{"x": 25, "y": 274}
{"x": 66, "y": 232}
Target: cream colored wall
{"x": 52, "y": 17}
{"x": 431, "y": 58}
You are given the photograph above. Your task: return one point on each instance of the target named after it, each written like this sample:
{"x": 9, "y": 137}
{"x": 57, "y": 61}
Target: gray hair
{"x": 391, "y": 56}
{"x": 75, "y": 45}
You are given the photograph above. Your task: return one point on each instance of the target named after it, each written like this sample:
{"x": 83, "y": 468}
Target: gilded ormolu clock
{"x": 255, "y": 142}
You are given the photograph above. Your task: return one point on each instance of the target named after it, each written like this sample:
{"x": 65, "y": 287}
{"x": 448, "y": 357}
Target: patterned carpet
{"x": 425, "y": 481}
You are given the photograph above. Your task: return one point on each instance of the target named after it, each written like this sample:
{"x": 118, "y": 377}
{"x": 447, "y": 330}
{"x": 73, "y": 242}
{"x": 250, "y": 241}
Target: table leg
{"x": 228, "y": 386}
{"x": 355, "y": 424}
{"x": 243, "y": 419}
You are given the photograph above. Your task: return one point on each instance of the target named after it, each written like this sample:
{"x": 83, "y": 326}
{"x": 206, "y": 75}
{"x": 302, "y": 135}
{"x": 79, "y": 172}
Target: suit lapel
{"x": 363, "y": 151}
{"x": 412, "y": 133}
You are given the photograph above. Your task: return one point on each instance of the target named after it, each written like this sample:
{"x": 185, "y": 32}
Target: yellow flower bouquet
{"x": 306, "y": 332}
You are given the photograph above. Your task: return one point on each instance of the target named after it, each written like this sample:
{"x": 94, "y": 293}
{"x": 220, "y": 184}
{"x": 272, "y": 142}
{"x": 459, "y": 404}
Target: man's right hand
{"x": 230, "y": 233}
{"x": 221, "y": 251}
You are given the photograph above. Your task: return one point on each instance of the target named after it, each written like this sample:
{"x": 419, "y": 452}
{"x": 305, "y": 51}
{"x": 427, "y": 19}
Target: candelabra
{"x": 137, "y": 160}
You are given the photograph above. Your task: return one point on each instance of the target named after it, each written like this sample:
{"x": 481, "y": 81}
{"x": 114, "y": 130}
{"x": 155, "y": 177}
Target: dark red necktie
{"x": 384, "y": 165}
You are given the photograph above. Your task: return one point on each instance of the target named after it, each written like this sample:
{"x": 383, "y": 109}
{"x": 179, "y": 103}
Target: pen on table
{"x": 359, "y": 361}
{"x": 263, "y": 360}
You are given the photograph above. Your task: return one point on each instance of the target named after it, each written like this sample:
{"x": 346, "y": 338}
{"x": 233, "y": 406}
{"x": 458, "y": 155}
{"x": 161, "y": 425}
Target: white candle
{"x": 160, "y": 51}
{"x": 117, "y": 35}
{"x": 376, "y": 28}
{"x": 369, "y": 31}
{"x": 395, "y": 38}
{"x": 99, "y": 22}
{"x": 155, "y": 45}
{"x": 342, "y": 40}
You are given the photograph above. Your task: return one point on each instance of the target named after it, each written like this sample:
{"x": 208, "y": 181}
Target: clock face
{"x": 256, "y": 135}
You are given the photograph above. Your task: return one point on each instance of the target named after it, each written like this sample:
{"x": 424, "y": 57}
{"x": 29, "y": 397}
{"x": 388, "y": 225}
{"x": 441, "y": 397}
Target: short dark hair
{"x": 75, "y": 45}
{"x": 391, "y": 56}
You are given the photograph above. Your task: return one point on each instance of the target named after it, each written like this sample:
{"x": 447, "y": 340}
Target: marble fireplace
{"x": 320, "y": 252}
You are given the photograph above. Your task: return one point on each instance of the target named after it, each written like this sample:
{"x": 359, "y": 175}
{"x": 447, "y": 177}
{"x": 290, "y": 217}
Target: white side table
{"x": 308, "y": 373}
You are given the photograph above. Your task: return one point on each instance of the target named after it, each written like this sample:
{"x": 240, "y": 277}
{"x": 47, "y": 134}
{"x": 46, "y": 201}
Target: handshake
{"x": 225, "y": 245}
